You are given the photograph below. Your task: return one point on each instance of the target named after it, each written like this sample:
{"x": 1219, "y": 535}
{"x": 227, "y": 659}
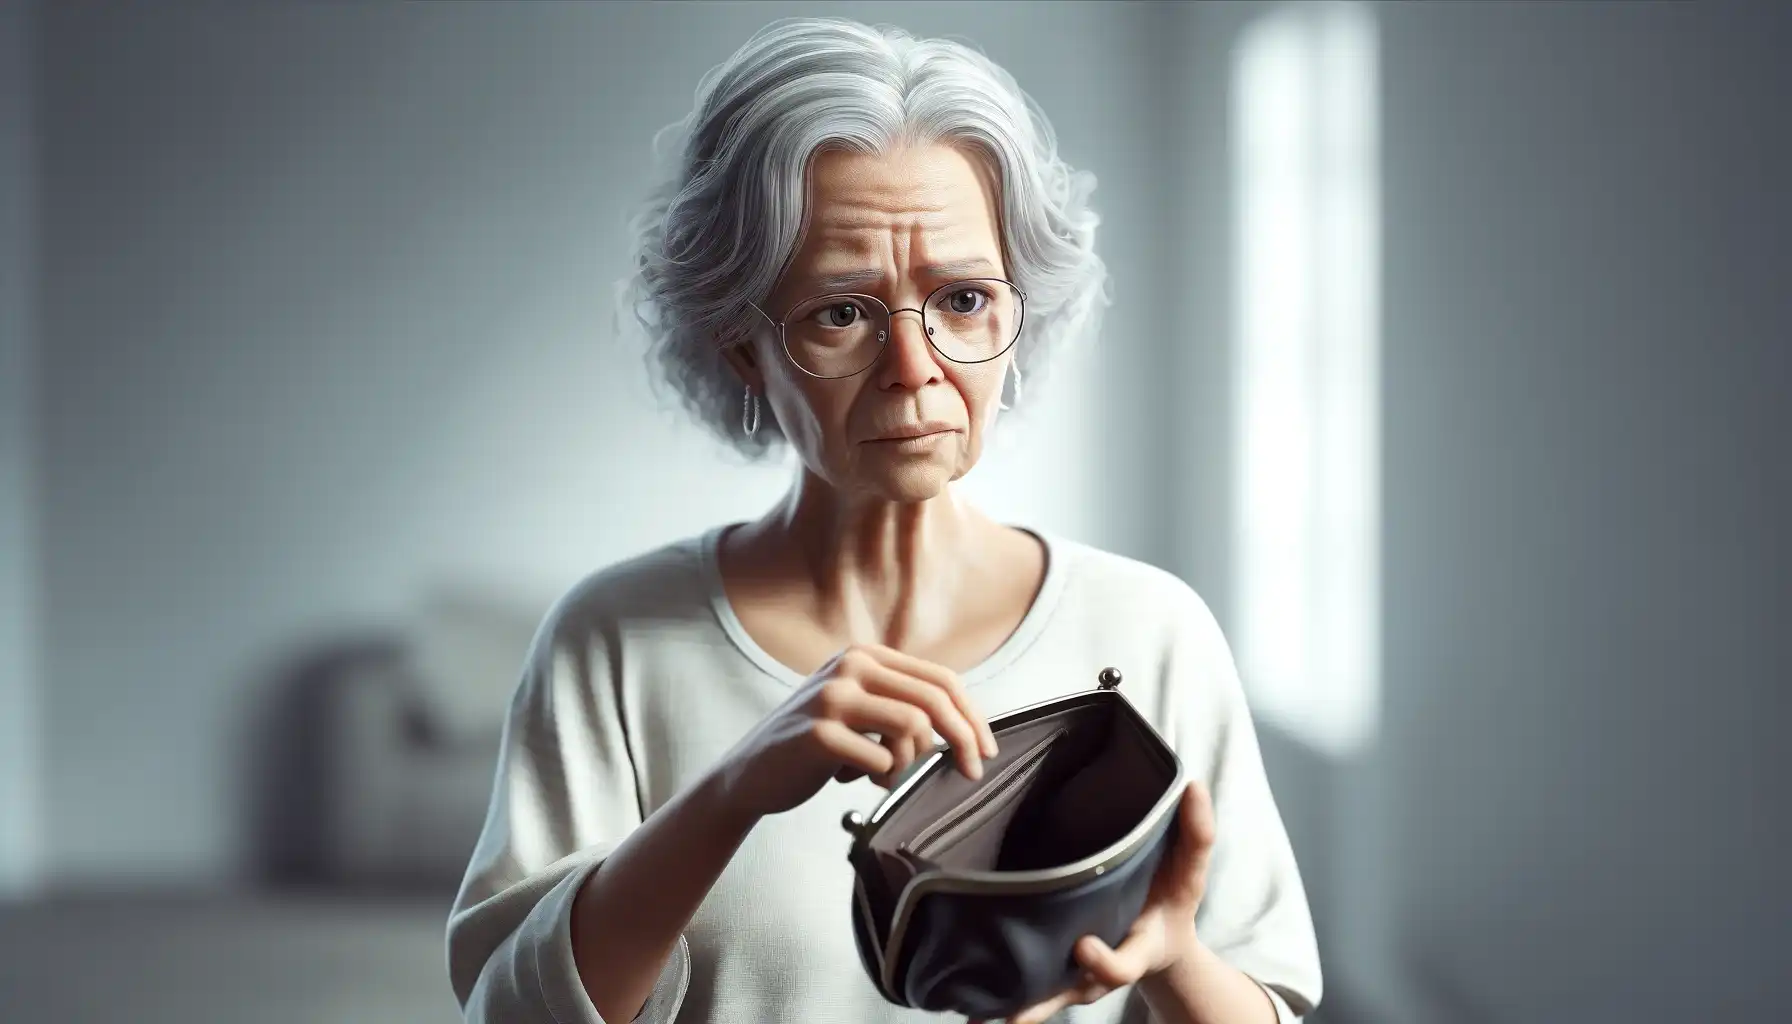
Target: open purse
{"x": 971, "y": 896}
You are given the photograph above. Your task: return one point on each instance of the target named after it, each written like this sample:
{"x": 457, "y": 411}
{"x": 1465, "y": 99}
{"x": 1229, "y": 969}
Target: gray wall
{"x": 327, "y": 321}
{"x": 1589, "y": 357}
{"x": 1573, "y": 811}
{"x": 18, "y": 498}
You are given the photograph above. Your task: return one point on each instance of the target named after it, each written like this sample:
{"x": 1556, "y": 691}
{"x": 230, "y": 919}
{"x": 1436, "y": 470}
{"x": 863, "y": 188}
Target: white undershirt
{"x": 642, "y": 677}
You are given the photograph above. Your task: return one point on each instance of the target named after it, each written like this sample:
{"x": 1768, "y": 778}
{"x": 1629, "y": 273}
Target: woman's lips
{"x": 912, "y": 437}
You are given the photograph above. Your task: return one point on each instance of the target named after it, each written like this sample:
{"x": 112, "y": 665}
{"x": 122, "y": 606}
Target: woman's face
{"x": 899, "y": 225}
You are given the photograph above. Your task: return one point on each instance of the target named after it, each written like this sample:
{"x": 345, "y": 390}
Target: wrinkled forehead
{"x": 919, "y": 215}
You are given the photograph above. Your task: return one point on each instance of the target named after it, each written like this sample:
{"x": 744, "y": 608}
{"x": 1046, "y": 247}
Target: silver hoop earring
{"x": 749, "y": 413}
{"x": 1013, "y": 370}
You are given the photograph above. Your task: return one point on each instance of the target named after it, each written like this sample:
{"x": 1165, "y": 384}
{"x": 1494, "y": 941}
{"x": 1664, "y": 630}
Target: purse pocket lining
{"x": 942, "y": 834}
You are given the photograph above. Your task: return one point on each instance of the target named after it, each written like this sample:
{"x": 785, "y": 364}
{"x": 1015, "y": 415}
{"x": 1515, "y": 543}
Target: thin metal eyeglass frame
{"x": 890, "y": 325}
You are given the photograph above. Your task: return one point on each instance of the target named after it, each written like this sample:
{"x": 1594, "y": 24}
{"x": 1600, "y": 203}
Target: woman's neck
{"x": 877, "y": 571}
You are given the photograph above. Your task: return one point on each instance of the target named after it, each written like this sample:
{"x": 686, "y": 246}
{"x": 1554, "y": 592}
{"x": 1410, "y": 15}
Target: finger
{"x": 852, "y": 748}
{"x": 1093, "y": 990}
{"x": 1041, "y": 1012}
{"x": 937, "y": 712}
{"x": 852, "y": 702}
{"x": 1116, "y": 968}
{"x": 904, "y": 748}
{"x": 895, "y": 722}
{"x": 1087, "y": 992}
{"x": 889, "y": 720}
{"x": 904, "y": 745}
{"x": 948, "y": 681}
{"x": 944, "y": 716}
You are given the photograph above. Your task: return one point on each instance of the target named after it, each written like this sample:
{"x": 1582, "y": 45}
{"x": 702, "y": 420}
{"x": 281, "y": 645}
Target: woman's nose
{"x": 908, "y": 359}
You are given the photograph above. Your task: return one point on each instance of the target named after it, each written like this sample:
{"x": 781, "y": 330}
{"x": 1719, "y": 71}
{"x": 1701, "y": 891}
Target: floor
{"x": 326, "y": 960}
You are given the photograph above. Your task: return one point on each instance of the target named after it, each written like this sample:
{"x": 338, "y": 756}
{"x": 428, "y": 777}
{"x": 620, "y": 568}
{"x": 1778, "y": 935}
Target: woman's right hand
{"x": 824, "y": 731}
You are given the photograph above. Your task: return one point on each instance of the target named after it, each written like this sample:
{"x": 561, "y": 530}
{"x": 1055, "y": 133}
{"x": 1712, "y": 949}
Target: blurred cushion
{"x": 467, "y": 651}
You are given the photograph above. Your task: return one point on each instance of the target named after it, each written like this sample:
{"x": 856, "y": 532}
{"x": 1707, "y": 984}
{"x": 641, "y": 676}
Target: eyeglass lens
{"x": 840, "y": 335}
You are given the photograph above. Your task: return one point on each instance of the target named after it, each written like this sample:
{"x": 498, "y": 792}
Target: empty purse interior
{"x": 1062, "y": 788}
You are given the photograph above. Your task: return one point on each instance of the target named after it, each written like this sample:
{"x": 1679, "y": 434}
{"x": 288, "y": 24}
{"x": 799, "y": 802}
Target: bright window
{"x": 1306, "y": 249}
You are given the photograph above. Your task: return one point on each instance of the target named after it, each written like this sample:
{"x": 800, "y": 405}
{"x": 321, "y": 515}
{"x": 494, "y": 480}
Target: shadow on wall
{"x": 371, "y": 757}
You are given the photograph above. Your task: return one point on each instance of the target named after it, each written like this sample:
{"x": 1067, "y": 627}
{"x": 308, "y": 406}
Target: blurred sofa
{"x": 380, "y": 750}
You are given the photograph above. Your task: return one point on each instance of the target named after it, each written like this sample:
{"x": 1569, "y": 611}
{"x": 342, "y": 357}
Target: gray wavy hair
{"x": 727, "y": 217}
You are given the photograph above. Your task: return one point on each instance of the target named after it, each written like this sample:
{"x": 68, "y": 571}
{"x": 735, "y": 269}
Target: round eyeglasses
{"x": 839, "y": 335}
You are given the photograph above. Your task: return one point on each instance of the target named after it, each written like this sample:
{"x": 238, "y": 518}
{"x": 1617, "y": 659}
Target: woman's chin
{"x": 916, "y": 481}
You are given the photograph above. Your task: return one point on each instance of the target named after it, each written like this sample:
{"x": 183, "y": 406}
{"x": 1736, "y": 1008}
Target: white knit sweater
{"x": 642, "y": 677}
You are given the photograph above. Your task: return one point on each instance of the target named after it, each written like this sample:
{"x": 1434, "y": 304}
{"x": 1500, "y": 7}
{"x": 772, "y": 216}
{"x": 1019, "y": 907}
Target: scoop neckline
{"x": 1031, "y": 625}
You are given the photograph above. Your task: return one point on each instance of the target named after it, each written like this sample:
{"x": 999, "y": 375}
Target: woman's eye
{"x": 843, "y": 314}
{"x": 969, "y": 300}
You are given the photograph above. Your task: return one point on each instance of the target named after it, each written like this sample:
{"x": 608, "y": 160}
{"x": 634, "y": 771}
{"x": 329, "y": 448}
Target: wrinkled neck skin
{"x": 877, "y": 571}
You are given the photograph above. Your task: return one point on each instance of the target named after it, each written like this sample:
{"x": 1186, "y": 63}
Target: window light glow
{"x": 1307, "y": 248}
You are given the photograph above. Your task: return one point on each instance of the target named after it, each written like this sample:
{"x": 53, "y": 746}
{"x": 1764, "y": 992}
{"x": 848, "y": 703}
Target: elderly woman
{"x": 865, "y": 237}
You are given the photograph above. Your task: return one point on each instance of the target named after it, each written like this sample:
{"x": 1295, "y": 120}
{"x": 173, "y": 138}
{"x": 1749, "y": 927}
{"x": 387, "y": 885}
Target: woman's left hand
{"x": 1164, "y": 934}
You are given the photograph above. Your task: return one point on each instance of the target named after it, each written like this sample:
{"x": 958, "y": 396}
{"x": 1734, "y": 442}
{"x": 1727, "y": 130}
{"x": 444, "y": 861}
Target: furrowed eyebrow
{"x": 973, "y": 266}
{"x": 849, "y": 279}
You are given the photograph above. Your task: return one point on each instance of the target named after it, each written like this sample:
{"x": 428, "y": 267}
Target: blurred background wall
{"x": 311, "y": 403}
{"x": 326, "y": 311}
{"x": 1585, "y": 381}
{"x": 19, "y": 677}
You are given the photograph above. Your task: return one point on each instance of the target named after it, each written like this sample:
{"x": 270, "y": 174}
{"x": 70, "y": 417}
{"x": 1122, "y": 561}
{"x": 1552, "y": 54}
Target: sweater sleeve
{"x": 565, "y": 795}
{"x": 1254, "y": 914}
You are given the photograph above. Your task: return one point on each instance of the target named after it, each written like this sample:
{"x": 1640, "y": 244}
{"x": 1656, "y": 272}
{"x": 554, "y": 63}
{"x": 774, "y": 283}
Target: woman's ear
{"x": 745, "y": 363}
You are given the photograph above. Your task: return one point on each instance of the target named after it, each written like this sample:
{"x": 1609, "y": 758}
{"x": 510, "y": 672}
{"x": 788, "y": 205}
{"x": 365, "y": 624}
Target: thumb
{"x": 1198, "y": 832}
{"x": 1198, "y": 825}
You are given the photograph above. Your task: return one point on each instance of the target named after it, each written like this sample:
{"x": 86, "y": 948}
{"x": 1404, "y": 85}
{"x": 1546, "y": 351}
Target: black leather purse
{"x": 970, "y": 896}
